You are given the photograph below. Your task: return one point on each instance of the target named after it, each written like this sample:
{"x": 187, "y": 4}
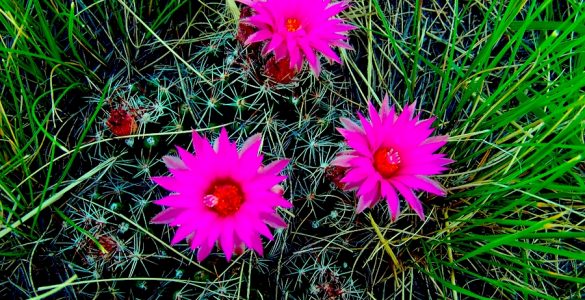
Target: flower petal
{"x": 168, "y": 183}
{"x": 421, "y": 183}
{"x": 276, "y": 42}
{"x": 227, "y": 238}
{"x": 182, "y": 233}
{"x": 258, "y": 36}
{"x": 174, "y": 200}
{"x": 389, "y": 193}
{"x": 166, "y": 216}
{"x": 173, "y": 162}
{"x": 201, "y": 145}
{"x": 203, "y": 252}
{"x": 411, "y": 199}
{"x": 311, "y": 57}
{"x": 188, "y": 159}
{"x": 274, "y": 220}
{"x": 252, "y": 145}
{"x": 350, "y": 125}
{"x": 342, "y": 160}
{"x": 274, "y": 167}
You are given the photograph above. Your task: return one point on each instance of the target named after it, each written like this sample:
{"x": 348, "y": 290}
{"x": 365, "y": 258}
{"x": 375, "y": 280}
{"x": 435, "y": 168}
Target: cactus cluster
{"x": 143, "y": 114}
{"x": 157, "y": 74}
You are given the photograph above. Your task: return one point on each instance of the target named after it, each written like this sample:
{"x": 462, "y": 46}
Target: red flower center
{"x": 293, "y": 24}
{"x": 386, "y": 161}
{"x": 224, "y": 197}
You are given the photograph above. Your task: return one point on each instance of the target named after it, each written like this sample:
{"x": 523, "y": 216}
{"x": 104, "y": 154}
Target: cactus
{"x": 160, "y": 71}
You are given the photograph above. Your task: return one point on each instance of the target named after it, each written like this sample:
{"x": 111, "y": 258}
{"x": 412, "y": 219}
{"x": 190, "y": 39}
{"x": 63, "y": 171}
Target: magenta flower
{"x": 220, "y": 194}
{"x": 295, "y": 29}
{"x": 391, "y": 153}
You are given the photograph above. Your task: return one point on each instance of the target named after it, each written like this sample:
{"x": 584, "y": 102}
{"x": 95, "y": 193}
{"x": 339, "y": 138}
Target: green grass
{"x": 504, "y": 80}
{"x": 38, "y": 74}
{"x": 516, "y": 123}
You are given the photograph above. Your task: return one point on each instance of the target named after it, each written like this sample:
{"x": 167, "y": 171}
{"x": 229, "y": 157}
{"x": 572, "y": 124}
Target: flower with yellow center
{"x": 298, "y": 30}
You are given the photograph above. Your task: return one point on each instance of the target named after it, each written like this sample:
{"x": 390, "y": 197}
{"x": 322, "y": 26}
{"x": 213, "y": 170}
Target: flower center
{"x": 224, "y": 197}
{"x": 293, "y": 24}
{"x": 386, "y": 161}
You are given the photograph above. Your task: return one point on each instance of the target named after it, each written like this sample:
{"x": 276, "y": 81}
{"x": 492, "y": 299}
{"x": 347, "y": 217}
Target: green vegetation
{"x": 504, "y": 79}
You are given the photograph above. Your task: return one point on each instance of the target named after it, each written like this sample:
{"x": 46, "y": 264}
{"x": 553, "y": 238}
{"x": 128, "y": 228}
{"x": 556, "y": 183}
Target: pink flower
{"x": 295, "y": 29}
{"x": 220, "y": 194}
{"x": 391, "y": 153}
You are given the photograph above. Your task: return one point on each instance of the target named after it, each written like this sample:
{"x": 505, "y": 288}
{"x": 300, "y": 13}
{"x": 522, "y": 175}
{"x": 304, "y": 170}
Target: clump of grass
{"x": 513, "y": 185}
{"x": 37, "y": 79}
